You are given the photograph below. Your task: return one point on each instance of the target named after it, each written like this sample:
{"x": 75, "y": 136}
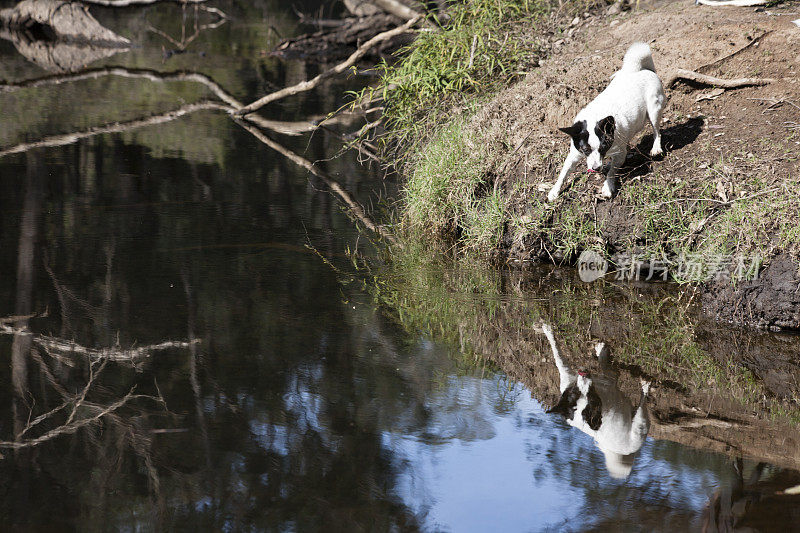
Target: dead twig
{"x": 338, "y": 69}
{"x": 775, "y": 103}
{"x": 720, "y": 203}
{"x": 737, "y": 52}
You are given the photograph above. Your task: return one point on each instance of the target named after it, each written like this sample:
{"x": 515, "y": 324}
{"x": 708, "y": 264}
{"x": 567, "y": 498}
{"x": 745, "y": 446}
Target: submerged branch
{"x": 76, "y": 402}
{"x": 233, "y": 108}
{"x": 125, "y": 72}
{"x": 279, "y": 126}
{"x": 352, "y": 205}
{"x": 63, "y": 346}
{"x": 338, "y": 69}
{"x": 75, "y": 425}
{"x": 115, "y": 127}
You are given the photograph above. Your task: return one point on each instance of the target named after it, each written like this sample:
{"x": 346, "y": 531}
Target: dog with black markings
{"x": 606, "y": 126}
{"x": 596, "y": 406}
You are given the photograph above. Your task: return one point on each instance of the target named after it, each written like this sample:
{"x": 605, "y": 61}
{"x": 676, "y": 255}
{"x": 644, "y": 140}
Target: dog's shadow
{"x": 638, "y": 163}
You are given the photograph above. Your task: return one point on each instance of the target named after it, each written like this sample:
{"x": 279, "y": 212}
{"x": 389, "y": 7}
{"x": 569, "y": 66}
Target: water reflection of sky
{"x": 523, "y": 470}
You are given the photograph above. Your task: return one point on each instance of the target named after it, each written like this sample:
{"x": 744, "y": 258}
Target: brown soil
{"x": 753, "y": 128}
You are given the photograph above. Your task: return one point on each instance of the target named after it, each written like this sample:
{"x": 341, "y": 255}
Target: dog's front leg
{"x": 603, "y": 354}
{"x": 573, "y": 158}
{"x": 610, "y": 185}
{"x": 640, "y": 424}
{"x": 565, "y": 375}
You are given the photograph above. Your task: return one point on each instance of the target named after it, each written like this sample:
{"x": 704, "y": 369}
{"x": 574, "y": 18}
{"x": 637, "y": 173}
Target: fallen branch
{"x": 338, "y": 69}
{"x": 735, "y": 3}
{"x": 126, "y": 3}
{"x": 351, "y": 204}
{"x": 689, "y": 75}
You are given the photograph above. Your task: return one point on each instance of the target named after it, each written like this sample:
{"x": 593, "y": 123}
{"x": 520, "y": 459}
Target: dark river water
{"x": 289, "y": 395}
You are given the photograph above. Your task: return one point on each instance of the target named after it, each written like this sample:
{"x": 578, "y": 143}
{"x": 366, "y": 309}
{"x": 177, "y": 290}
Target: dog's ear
{"x": 605, "y": 127}
{"x": 560, "y": 408}
{"x": 593, "y": 412}
{"x": 575, "y": 129}
{"x": 566, "y": 404}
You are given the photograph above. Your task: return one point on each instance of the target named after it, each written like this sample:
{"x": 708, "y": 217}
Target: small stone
{"x": 575, "y": 21}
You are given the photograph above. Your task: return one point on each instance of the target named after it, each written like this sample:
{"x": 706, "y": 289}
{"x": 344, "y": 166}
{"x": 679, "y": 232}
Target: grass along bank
{"x": 482, "y": 46}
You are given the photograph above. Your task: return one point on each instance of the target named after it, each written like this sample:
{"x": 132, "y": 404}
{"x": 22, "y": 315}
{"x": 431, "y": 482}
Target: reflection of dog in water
{"x": 596, "y": 406}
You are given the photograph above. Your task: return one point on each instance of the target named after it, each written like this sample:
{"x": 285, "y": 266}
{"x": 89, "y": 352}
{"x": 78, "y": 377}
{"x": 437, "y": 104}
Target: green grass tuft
{"x": 449, "y": 193}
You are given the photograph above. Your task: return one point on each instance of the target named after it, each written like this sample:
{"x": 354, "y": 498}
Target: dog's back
{"x": 627, "y": 96}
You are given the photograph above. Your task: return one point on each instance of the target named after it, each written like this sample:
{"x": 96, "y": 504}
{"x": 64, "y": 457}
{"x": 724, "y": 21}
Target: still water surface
{"x": 304, "y": 405}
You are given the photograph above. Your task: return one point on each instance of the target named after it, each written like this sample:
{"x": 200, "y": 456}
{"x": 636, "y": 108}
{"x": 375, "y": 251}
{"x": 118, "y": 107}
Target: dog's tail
{"x": 638, "y": 57}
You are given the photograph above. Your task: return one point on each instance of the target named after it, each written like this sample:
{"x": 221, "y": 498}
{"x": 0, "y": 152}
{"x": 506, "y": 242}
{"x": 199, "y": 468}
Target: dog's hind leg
{"x": 654, "y": 108}
{"x": 565, "y": 374}
{"x": 573, "y": 158}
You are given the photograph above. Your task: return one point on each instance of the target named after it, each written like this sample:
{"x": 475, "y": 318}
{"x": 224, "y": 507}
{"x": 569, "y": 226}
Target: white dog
{"x": 598, "y": 408}
{"x": 605, "y": 126}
